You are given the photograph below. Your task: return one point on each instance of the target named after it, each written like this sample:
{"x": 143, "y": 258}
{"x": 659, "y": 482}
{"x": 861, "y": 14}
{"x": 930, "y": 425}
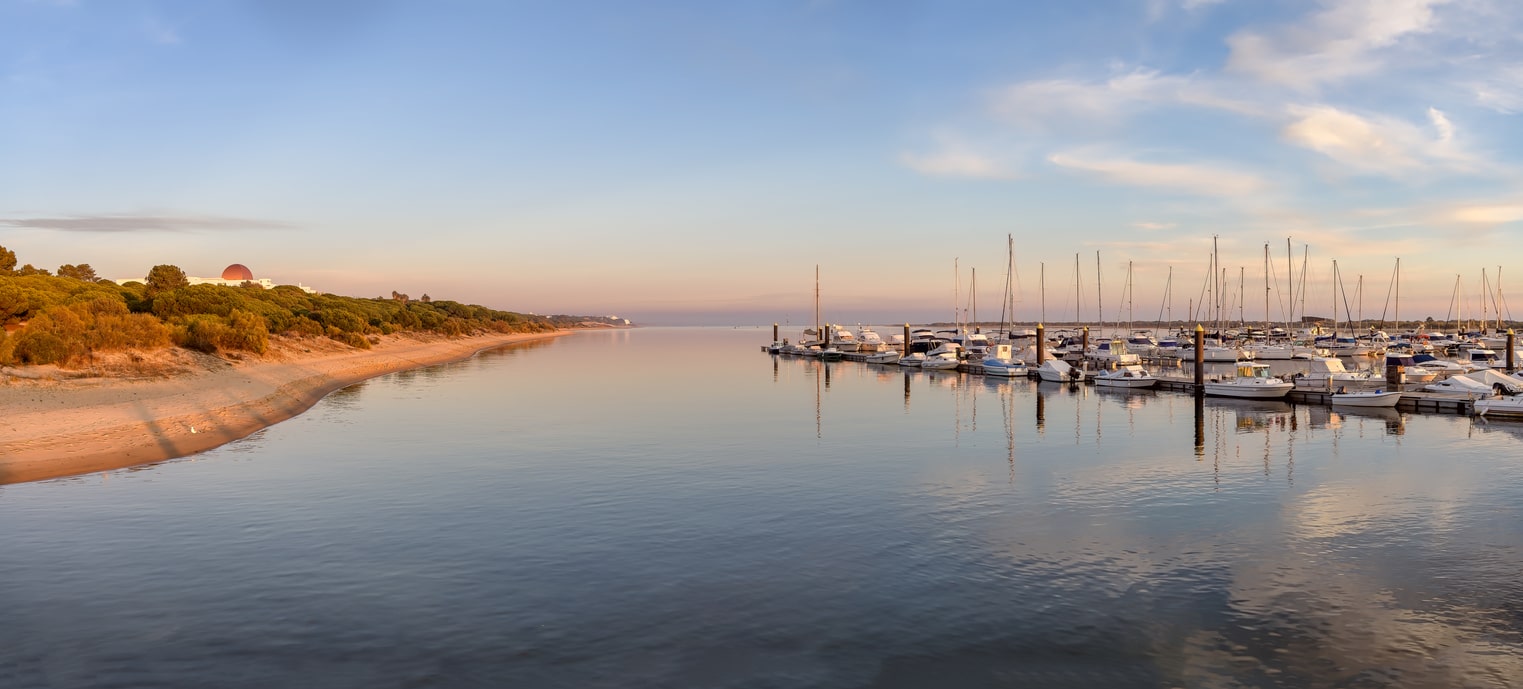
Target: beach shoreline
{"x": 53, "y": 428}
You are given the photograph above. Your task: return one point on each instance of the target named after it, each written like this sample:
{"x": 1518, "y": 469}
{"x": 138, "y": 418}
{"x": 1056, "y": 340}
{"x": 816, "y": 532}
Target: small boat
{"x": 1058, "y": 371}
{"x": 1007, "y": 368}
{"x": 1476, "y": 385}
{"x": 1329, "y": 371}
{"x": 869, "y": 341}
{"x": 887, "y": 356}
{"x": 1131, "y": 376}
{"x": 1507, "y": 406}
{"x": 940, "y": 360}
{"x": 1252, "y": 381}
{"x": 912, "y": 359}
{"x": 1365, "y": 398}
{"x": 830, "y": 354}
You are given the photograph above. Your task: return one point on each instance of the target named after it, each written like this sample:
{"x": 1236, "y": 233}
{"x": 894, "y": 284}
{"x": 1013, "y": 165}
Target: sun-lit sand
{"x": 177, "y": 403}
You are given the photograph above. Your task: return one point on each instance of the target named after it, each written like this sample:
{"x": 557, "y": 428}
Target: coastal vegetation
{"x": 67, "y": 318}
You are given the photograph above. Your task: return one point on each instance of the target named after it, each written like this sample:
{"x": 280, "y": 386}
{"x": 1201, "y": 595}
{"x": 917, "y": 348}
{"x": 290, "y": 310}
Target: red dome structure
{"x": 237, "y": 271}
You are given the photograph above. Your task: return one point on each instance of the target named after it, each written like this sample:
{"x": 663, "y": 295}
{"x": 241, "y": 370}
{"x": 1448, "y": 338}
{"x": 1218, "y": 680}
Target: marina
{"x": 1173, "y": 374}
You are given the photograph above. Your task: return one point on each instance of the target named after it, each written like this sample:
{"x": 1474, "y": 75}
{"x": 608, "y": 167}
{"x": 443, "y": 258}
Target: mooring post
{"x": 774, "y": 332}
{"x": 1041, "y": 344}
{"x": 906, "y": 351}
{"x": 1512, "y": 364}
{"x": 1200, "y": 426}
{"x": 1200, "y": 360}
{"x": 827, "y": 338}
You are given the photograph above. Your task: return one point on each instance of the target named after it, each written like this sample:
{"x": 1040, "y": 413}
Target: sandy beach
{"x": 64, "y": 425}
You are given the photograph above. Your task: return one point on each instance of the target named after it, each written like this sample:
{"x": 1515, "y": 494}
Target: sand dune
{"x": 56, "y": 425}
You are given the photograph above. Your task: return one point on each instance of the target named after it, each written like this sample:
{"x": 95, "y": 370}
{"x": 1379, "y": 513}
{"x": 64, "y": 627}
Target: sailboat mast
{"x": 1290, "y": 284}
{"x": 817, "y": 332}
{"x": 1266, "y": 291}
{"x": 1078, "y": 293}
{"x": 1398, "y": 294}
{"x": 1043, "y": 278}
{"x": 1099, "y": 294}
{"x": 1335, "y": 299}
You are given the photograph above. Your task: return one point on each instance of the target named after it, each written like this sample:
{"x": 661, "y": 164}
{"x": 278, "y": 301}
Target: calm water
{"x": 673, "y": 508}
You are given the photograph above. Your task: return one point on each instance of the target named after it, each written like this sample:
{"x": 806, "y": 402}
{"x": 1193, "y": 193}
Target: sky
{"x": 693, "y": 162}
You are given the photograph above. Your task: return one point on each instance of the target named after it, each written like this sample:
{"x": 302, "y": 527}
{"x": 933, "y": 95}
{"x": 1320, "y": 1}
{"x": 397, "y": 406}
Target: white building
{"x": 232, "y": 276}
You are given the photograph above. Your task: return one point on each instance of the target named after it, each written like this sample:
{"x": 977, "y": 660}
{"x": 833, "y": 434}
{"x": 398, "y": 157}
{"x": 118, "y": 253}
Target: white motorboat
{"x": 1142, "y": 343}
{"x": 1485, "y": 358}
{"x": 1113, "y": 351}
{"x": 1000, "y": 363}
{"x": 912, "y": 359}
{"x": 1411, "y": 372}
{"x": 1271, "y": 352}
{"x": 1130, "y": 376}
{"x": 945, "y": 359}
{"x": 887, "y": 356}
{"x": 869, "y": 341}
{"x": 1366, "y": 398}
{"x": 1476, "y": 385}
{"x": 1252, "y": 381}
{"x": 1006, "y": 368}
{"x": 1506, "y": 406}
{"x": 1328, "y": 372}
{"x": 1058, "y": 371}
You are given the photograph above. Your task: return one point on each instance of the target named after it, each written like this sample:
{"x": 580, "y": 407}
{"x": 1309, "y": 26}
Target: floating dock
{"x": 1411, "y": 401}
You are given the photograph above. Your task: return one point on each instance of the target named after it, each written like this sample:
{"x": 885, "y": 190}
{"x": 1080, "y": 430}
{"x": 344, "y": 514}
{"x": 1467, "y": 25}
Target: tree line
{"x": 66, "y": 317}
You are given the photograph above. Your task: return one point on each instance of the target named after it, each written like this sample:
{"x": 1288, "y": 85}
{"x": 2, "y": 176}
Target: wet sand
{"x": 55, "y": 428}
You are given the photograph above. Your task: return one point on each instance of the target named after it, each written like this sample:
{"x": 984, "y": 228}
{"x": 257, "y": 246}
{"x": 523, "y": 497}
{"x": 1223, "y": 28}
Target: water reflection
{"x": 659, "y": 528}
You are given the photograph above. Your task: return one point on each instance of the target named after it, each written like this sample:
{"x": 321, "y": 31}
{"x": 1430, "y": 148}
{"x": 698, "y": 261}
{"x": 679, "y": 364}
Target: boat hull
{"x": 1125, "y": 382}
{"x": 1365, "y": 399}
{"x": 1256, "y": 391}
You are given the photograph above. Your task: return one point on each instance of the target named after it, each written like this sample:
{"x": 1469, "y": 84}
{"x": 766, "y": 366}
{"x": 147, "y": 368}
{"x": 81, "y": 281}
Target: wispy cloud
{"x": 1149, "y": 225}
{"x": 1378, "y": 145}
{"x": 1343, "y": 41}
{"x": 1194, "y": 179}
{"x": 143, "y": 223}
{"x": 956, "y": 163}
{"x": 1114, "y": 99}
{"x": 160, "y": 32}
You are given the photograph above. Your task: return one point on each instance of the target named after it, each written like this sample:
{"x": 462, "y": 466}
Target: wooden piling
{"x": 1041, "y": 344}
{"x": 1200, "y": 360}
{"x": 774, "y": 332}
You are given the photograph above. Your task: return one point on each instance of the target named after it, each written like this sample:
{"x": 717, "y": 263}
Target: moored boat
{"x": 1130, "y": 376}
{"x": 1366, "y": 398}
{"x": 1252, "y": 381}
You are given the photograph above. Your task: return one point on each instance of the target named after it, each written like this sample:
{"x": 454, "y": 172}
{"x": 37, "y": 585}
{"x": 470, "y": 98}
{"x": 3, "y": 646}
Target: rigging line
{"x": 1389, "y": 290}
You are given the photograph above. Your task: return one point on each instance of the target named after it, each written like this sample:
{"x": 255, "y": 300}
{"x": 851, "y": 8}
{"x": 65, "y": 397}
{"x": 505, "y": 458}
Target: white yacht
{"x": 1329, "y": 372}
{"x": 1252, "y": 381}
{"x": 1058, "y": 371}
{"x": 1129, "y": 376}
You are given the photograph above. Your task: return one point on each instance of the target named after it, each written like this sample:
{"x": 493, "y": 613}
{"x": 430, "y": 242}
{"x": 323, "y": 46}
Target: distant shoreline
{"x": 54, "y": 429}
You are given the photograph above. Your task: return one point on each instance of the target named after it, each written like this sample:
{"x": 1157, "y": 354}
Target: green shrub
{"x": 36, "y": 347}
{"x": 247, "y": 332}
{"x": 201, "y": 333}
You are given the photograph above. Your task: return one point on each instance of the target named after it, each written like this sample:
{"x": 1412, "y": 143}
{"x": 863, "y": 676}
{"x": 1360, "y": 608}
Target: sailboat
{"x": 998, "y": 361}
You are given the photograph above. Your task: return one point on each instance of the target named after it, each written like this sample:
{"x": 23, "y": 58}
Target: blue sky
{"x": 691, "y": 162}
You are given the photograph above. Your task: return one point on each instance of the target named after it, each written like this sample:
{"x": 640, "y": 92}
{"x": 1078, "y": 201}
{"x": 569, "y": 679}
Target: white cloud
{"x": 1502, "y": 92}
{"x": 1060, "y": 100}
{"x": 956, "y": 162}
{"x": 1342, "y": 41}
{"x": 1378, "y": 145}
{"x": 1484, "y": 214}
{"x": 1196, "y": 179}
{"x": 1149, "y": 225}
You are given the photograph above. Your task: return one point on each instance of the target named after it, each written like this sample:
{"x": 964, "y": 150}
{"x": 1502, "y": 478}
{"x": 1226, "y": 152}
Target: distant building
{"x": 232, "y": 276}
